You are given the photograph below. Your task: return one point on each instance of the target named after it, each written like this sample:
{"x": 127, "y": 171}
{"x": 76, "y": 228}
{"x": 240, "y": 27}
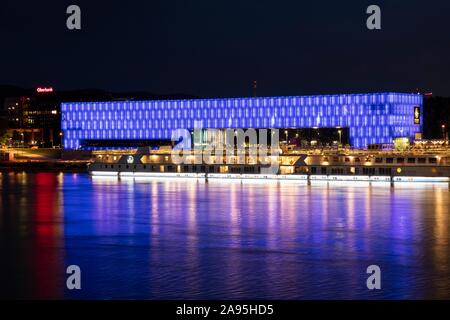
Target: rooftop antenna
{"x": 254, "y": 88}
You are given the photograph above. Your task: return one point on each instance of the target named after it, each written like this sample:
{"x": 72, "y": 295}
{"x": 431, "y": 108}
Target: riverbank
{"x": 44, "y": 165}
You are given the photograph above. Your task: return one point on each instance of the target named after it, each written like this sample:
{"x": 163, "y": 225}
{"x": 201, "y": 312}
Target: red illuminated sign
{"x": 44, "y": 89}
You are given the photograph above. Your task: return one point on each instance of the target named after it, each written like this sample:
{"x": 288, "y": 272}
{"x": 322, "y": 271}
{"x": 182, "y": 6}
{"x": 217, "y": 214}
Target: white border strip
{"x": 421, "y": 179}
{"x": 105, "y": 173}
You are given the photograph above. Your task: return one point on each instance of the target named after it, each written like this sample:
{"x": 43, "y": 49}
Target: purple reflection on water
{"x": 173, "y": 239}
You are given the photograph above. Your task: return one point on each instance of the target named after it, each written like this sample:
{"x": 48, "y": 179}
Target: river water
{"x": 177, "y": 239}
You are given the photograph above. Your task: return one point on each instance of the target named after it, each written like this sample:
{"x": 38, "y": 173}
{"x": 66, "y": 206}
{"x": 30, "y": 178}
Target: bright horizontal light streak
{"x": 264, "y": 177}
{"x": 293, "y": 177}
{"x": 380, "y": 178}
{"x": 154, "y": 178}
{"x": 223, "y": 176}
{"x": 105, "y": 173}
{"x": 350, "y": 183}
{"x": 163, "y": 175}
{"x": 268, "y": 177}
{"x": 258, "y": 181}
{"x": 105, "y": 178}
{"x": 318, "y": 177}
{"x": 421, "y": 179}
{"x": 259, "y": 176}
{"x": 420, "y": 185}
{"x": 348, "y": 178}
{"x": 126, "y": 174}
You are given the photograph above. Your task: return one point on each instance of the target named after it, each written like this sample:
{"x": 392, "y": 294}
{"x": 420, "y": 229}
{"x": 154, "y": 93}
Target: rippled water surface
{"x": 176, "y": 239}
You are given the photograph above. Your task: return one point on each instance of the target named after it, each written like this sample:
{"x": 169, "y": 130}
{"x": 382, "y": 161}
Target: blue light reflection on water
{"x": 173, "y": 239}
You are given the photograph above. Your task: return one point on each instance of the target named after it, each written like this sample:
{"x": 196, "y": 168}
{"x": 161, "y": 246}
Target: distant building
{"x": 34, "y": 119}
{"x": 32, "y": 116}
{"x": 376, "y": 118}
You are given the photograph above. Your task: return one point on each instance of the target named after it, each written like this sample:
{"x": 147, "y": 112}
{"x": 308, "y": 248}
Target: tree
{"x": 4, "y": 135}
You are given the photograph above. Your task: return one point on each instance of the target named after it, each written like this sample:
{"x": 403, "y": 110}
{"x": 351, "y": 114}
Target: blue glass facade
{"x": 371, "y": 118}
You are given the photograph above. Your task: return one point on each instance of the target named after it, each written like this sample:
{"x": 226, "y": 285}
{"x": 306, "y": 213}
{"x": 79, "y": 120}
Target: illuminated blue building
{"x": 370, "y": 118}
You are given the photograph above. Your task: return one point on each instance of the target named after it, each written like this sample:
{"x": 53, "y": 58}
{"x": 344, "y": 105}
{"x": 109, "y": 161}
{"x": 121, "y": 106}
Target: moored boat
{"x": 331, "y": 165}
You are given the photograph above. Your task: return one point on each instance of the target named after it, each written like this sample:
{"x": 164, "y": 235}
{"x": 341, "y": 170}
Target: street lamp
{"x": 340, "y": 136}
{"x": 286, "y": 133}
{"x": 443, "y": 132}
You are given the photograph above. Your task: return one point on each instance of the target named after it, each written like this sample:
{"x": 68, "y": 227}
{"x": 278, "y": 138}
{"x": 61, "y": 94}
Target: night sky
{"x": 215, "y": 48}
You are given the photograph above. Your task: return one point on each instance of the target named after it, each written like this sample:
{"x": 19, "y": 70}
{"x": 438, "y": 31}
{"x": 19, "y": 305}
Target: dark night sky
{"x": 214, "y": 48}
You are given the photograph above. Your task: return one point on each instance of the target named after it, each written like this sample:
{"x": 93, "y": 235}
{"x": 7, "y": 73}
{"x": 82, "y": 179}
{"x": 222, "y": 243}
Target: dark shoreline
{"x": 52, "y": 166}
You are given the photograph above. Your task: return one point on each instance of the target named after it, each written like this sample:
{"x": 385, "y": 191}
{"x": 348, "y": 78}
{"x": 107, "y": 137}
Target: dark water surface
{"x": 221, "y": 240}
